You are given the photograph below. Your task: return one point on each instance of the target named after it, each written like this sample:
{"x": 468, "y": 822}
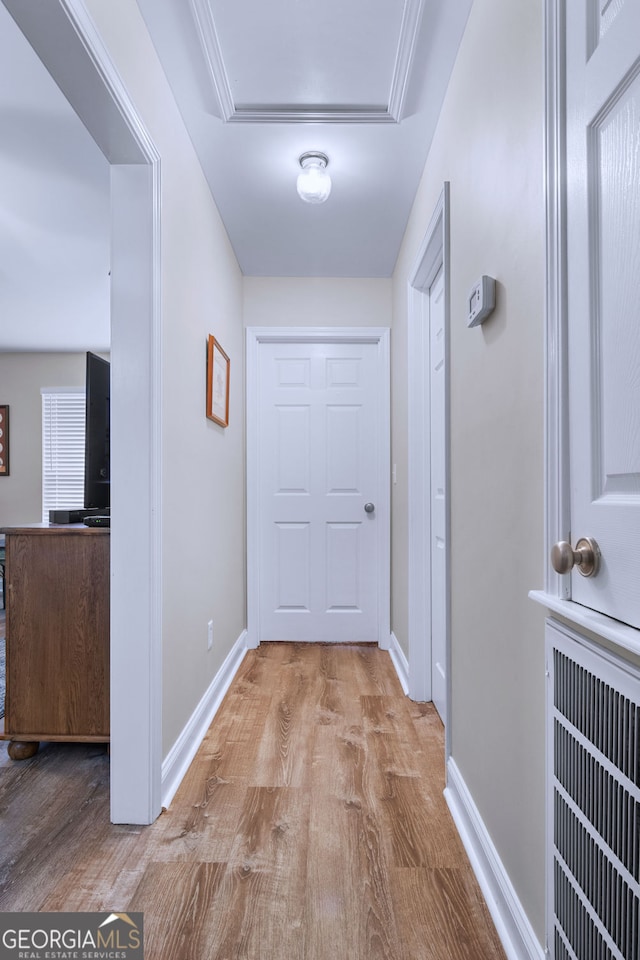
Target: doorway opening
{"x": 316, "y": 535}
{"x": 65, "y": 38}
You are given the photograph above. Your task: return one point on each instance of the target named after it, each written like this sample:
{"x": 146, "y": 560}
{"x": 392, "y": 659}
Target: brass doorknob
{"x": 586, "y": 556}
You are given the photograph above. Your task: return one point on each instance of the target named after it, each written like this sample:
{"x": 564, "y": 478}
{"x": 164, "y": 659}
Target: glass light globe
{"x": 314, "y": 183}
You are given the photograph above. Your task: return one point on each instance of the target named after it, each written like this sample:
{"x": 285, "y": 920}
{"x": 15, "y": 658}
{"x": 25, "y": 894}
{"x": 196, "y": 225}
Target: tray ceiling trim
{"x": 391, "y": 112}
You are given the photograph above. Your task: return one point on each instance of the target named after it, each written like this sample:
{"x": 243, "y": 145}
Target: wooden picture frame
{"x": 218, "y": 371}
{"x": 4, "y": 440}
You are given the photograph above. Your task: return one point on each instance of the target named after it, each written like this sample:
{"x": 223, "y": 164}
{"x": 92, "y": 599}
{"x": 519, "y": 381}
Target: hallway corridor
{"x": 310, "y": 826}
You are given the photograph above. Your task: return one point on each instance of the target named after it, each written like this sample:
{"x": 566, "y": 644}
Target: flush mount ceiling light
{"x": 314, "y": 183}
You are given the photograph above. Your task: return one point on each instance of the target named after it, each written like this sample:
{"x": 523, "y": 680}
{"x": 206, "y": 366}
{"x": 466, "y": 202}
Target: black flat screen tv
{"x": 96, "y": 451}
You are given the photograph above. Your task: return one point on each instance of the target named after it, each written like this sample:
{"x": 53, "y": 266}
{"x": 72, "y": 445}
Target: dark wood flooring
{"x": 3, "y": 621}
{"x": 310, "y": 826}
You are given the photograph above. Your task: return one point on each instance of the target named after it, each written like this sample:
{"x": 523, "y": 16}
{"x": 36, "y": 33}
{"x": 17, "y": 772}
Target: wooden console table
{"x": 57, "y": 635}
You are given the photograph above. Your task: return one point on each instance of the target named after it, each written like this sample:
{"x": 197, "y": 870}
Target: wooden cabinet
{"x": 57, "y": 635}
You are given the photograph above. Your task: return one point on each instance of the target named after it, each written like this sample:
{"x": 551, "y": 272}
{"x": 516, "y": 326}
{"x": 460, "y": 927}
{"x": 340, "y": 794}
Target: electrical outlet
{"x": 210, "y": 635}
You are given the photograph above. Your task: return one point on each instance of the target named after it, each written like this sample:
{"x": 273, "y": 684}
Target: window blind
{"x": 63, "y": 428}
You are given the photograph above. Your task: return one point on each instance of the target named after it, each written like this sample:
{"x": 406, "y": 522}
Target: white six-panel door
{"x": 437, "y": 496}
{"x": 319, "y": 503}
{"x": 603, "y": 241}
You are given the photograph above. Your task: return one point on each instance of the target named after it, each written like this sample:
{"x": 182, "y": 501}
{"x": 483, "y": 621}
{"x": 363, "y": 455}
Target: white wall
{"x": 22, "y": 375}
{"x": 203, "y": 464}
{"x": 489, "y": 145}
{"x": 316, "y": 302}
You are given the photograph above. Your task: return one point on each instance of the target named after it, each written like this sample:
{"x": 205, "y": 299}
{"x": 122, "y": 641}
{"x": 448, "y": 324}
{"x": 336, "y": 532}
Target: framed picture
{"x": 218, "y": 367}
{"x": 4, "y": 440}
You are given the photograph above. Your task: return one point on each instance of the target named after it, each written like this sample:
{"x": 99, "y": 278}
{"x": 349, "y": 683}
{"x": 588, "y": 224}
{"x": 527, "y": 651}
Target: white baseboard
{"x": 179, "y": 758}
{"x": 400, "y": 663}
{"x": 511, "y": 922}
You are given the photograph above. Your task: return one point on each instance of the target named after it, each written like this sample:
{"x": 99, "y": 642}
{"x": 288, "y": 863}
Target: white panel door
{"x": 603, "y": 237}
{"x": 438, "y": 496}
{"x": 318, "y": 454}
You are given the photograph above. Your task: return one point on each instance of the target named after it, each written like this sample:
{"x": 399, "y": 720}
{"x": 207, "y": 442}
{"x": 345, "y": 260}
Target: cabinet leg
{"x": 22, "y": 749}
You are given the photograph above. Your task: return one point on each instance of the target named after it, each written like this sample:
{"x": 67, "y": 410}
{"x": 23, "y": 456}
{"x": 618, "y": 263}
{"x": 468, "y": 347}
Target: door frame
{"x": 255, "y": 336}
{"x": 433, "y": 256}
{"x": 66, "y": 39}
{"x": 556, "y": 594}
{"x": 557, "y": 511}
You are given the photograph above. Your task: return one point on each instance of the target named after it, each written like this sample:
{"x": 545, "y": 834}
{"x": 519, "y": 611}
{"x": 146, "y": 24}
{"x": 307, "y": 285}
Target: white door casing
{"x": 603, "y": 273}
{"x": 317, "y": 452}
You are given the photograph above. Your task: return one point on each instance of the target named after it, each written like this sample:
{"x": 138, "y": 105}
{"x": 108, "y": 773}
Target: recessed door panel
{"x": 293, "y": 568}
{"x": 293, "y": 449}
{"x": 343, "y": 567}
{"x": 293, "y": 372}
{"x": 615, "y": 205}
{"x": 344, "y": 449}
{"x": 602, "y": 15}
{"x": 343, "y": 372}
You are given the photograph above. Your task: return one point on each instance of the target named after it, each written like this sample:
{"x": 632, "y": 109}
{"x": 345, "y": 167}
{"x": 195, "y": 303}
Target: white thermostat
{"x": 482, "y": 300}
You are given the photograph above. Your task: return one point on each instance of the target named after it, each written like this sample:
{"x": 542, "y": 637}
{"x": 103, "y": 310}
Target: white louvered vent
{"x": 593, "y": 796}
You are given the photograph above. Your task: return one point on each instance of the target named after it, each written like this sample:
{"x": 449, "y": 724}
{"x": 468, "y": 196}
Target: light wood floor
{"x": 311, "y": 826}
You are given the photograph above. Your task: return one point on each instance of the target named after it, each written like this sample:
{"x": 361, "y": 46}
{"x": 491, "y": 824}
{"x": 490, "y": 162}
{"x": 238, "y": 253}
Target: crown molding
{"x": 206, "y": 28}
{"x": 293, "y": 113}
{"x": 404, "y": 57}
{"x": 231, "y": 112}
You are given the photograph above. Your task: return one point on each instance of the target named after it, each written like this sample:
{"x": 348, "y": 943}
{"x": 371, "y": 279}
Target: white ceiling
{"x": 362, "y": 81}
{"x": 258, "y": 84}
